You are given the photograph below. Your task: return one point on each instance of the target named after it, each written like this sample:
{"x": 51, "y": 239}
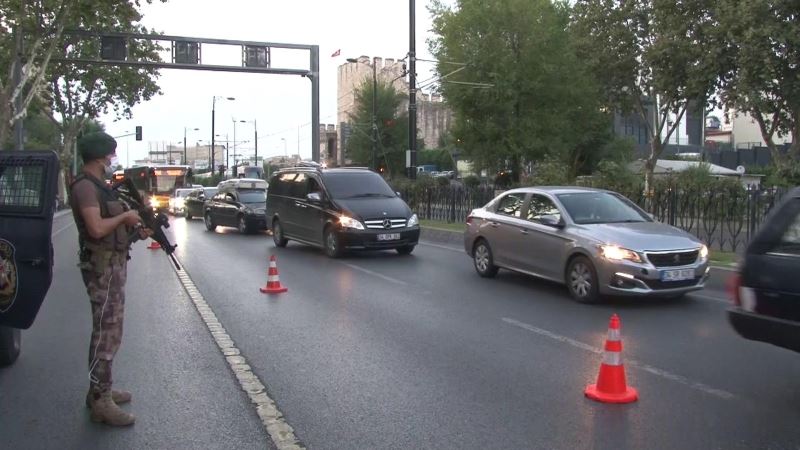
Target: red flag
{"x": 336, "y": 53}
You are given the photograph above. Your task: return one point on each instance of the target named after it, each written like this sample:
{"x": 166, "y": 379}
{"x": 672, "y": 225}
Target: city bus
{"x": 157, "y": 183}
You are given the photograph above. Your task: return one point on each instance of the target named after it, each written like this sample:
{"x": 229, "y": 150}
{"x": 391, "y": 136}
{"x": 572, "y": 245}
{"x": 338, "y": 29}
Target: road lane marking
{"x": 281, "y": 433}
{"x": 445, "y": 247}
{"x": 710, "y": 297}
{"x": 631, "y": 362}
{"x": 62, "y": 229}
{"x": 376, "y": 274}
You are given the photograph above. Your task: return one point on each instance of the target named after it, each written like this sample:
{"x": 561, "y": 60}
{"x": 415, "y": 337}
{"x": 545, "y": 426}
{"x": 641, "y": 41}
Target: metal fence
{"x": 723, "y": 219}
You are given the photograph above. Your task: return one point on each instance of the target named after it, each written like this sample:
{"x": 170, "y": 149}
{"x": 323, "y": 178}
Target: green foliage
{"x": 550, "y": 172}
{"x": 783, "y": 175}
{"x": 616, "y": 176}
{"x": 442, "y": 181}
{"x": 762, "y": 76}
{"x": 471, "y": 181}
{"x": 392, "y": 128}
{"x": 440, "y": 158}
{"x": 535, "y": 98}
{"x": 658, "y": 53}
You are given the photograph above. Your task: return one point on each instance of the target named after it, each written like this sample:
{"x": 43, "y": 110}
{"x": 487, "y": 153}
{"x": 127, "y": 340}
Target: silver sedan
{"x": 596, "y": 242}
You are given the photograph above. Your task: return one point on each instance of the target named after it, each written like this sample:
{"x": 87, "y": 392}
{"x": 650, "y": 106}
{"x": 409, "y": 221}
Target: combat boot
{"x": 119, "y": 397}
{"x": 106, "y": 411}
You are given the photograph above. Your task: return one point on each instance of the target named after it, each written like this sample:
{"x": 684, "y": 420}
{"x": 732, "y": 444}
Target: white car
{"x": 177, "y": 201}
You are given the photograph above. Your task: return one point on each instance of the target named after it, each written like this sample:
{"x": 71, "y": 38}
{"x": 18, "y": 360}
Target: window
{"x": 313, "y": 186}
{"x": 542, "y": 206}
{"x": 297, "y": 188}
{"x": 511, "y": 205}
{"x": 601, "y": 207}
{"x": 790, "y": 240}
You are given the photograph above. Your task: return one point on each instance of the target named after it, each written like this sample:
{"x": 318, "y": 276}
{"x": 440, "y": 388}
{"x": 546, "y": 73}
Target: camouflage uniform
{"x": 103, "y": 266}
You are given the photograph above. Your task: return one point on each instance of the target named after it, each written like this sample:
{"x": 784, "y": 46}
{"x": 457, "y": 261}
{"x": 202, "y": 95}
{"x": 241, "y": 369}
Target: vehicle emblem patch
{"x": 9, "y": 279}
{"x": 387, "y": 223}
{"x": 677, "y": 258}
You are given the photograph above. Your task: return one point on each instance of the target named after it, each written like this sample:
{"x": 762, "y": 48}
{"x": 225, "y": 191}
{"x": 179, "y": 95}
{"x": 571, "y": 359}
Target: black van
{"x": 339, "y": 209}
{"x": 766, "y": 290}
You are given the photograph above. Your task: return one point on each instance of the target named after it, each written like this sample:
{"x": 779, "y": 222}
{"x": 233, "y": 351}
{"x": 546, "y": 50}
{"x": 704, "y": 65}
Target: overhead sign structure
{"x": 186, "y": 53}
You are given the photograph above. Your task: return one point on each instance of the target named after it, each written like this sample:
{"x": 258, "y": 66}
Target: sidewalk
{"x": 185, "y": 395}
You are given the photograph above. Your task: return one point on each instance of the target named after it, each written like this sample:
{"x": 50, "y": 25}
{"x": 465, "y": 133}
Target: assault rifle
{"x": 153, "y": 220}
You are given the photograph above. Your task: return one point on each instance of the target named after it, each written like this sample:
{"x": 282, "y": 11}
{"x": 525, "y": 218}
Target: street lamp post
{"x": 374, "y": 108}
{"x": 285, "y": 150}
{"x": 213, "y": 112}
{"x": 236, "y": 172}
{"x": 185, "y": 160}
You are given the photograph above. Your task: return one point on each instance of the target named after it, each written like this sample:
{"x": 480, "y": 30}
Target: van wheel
{"x": 188, "y": 215}
{"x": 405, "y": 250}
{"x": 277, "y": 234}
{"x": 242, "y": 225}
{"x": 483, "y": 259}
{"x": 210, "y": 226}
{"x": 582, "y": 280}
{"x": 10, "y": 343}
{"x": 332, "y": 243}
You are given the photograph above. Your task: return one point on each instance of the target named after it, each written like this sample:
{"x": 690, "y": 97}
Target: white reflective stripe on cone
{"x": 272, "y": 278}
{"x": 612, "y": 358}
{"x": 613, "y": 334}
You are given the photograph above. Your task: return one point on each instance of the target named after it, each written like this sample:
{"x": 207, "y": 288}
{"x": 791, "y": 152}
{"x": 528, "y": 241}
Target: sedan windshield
{"x": 253, "y": 195}
{"x": 600, "y": 207}
{"x": 357, "y": 184}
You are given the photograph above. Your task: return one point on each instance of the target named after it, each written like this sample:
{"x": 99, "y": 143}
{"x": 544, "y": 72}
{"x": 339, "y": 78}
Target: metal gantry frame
{"x": 311, "y": 73}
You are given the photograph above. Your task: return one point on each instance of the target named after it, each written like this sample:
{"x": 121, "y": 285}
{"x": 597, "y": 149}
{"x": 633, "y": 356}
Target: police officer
{"x": 104, "y": 226}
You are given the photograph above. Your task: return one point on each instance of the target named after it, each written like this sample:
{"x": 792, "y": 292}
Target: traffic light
{"x": 138, "y": 132}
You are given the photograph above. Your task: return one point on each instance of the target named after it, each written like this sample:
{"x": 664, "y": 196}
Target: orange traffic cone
{"x": 611, "y": 386}
{"x": 273, "y": 283}
{"x": 154, "y": 245}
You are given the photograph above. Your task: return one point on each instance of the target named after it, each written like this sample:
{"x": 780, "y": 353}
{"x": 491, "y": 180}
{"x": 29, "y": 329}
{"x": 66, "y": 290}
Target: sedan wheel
{"x": 483, "y": 259}
{"x": 582, "y": 280}
{"x": 10, "y": 343}
{"x": 242, "y": 225}
{"x": 210, "y": 226}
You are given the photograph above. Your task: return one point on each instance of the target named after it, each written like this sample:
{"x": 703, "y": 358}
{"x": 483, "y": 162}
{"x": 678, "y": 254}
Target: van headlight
{"x": 615, "y": 253}
{"x": 413, "y": 221}
{"x": 154, "y": 202}
{"x": 349, "y": 222}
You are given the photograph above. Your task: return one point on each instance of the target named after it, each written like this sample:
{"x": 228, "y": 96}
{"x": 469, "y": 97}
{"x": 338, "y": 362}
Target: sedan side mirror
{"x": 551, "y": 220}
{"x": 314, "y": 197}
{"x": 201, "y": 197}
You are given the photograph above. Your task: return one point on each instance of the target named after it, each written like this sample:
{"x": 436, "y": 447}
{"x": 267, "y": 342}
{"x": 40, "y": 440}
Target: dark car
{"x": 193, "y": 203}
{"x": 239, "y": 203}
{"x": 339, "y": 209}
{"x": 766, "y": 290}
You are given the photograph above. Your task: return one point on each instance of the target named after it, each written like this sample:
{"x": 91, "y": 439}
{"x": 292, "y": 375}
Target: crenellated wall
{"x": 433, "y": 116}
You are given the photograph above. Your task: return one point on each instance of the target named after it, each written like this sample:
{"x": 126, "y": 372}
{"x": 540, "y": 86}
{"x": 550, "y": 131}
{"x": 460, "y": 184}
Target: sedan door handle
{"x": 524, "y": 231}
{"x": 300, "y": 205}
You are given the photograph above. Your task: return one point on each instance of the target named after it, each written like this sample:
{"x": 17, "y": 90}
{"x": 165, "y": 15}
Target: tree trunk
{"x": 656, "y": 147}
{"x": 5, "y": 120}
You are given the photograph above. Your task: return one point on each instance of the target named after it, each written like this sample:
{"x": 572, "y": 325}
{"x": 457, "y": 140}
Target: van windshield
{"x": 344, "y": 185}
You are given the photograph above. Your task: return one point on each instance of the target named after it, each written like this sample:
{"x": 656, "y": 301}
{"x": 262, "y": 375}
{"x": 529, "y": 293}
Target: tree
{"x": 81, "y": 92}
{"x": 509, "y": 72}
{"x": 44, "y": 22}
{"x": 14, "y": 15}
{"x": 653, "y": 57}
{"x": 763, "y": 77}
{"x": 392, "y": 128}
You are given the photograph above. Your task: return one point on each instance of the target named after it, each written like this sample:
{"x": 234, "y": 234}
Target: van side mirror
{"x": 314, "y": 197}
{"x": 201, "y": 196}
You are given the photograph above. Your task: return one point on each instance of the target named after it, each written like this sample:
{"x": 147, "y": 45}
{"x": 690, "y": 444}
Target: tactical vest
{"x": 110, "y": 206}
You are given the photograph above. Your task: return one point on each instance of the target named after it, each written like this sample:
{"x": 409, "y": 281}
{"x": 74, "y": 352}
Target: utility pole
{"x": 412, "y": 92}
{"x": 374, "y": 112}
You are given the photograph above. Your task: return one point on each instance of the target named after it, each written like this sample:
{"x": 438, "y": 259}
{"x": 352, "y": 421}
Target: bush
{"x": 550, "y": 172}
{"x": 471, "y": 181}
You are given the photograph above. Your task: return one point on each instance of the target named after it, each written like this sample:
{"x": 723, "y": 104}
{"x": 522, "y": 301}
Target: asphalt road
{"x": 386, "y": 351}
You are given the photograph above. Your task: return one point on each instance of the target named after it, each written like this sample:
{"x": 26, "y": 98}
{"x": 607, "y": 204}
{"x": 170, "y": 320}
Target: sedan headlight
{"x": 615, "y": 253}
{"x": 413, "y": 221}
{"x": 349, "y": 222}
{"x": 704, "y": 252}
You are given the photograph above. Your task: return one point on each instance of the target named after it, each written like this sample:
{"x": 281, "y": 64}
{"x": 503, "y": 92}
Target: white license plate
{"x": 389, "y": 237}
{"x": 677, "y": 275}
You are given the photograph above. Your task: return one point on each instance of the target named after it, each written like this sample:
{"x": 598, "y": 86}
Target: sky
{"x": 280, "y": 105}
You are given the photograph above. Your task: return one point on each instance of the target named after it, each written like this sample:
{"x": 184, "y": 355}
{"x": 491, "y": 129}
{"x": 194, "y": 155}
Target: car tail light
{"x": 733, "y": 285}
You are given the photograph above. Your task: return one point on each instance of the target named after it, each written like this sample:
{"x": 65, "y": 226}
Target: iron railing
{"x": 724, "y": 219}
